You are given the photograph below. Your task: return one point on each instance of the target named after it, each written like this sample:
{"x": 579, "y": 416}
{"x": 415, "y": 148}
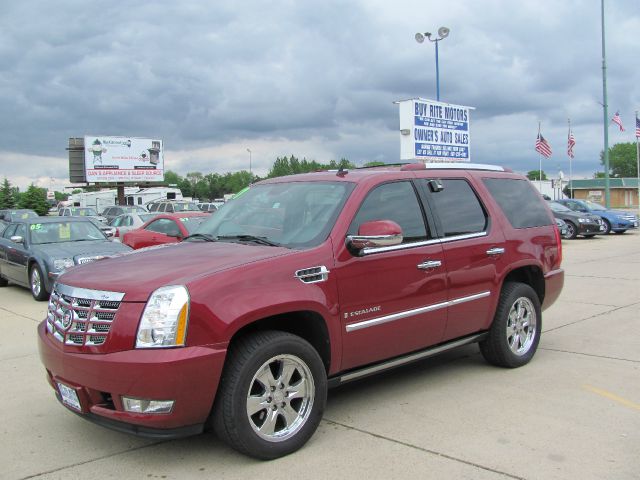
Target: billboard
{"x": 434, "y": 131}
{"x": 123, "y": 159}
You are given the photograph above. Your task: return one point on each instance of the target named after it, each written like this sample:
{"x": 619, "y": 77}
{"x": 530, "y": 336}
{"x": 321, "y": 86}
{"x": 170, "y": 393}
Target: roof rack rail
{"x": 463, "y": 166}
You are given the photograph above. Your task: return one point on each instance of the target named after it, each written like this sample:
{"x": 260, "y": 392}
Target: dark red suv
{"x": 299, "y": 284}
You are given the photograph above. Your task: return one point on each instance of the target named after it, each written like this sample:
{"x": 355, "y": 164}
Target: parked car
{"x": 164, "y": 228}
{"x": 172, "y": 206}
{"x": 584, "y": 224}
{"x": 3, "y": 224}
{"x": 562, "y": 226}
{"x": 15, "y": 214}
{"x": 616, "y": 221}
{"x": 129, "y": 221}
{"x": 116, "y": 210}
{"x": 81, "y": 212}
{"x": 35, "y": 251}
{"x": 246, "y": 324}
{"x": 208, "y": 207}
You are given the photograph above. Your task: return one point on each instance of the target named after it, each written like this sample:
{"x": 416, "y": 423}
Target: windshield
{"x": 22, "y": 214}
{"x": 145, "y": 217}
{"x": 292, "y": 214}
{"x": 58, "y": 232}
{"x": 191, "y": 223}
{"x": 594, "y": 206}
{"x": 83, "y": 212}
{"x": 558, "y": 207}
{"x": 135, "y": 210}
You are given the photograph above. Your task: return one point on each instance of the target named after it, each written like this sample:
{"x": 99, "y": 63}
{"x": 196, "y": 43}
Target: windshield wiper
{"x": 205, "y": 236}
{"x": 249, "y": 238}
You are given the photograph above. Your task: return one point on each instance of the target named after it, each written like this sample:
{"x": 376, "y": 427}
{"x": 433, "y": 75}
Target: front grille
{"x": 81, "y": 317}
{"x": 83, "y": 260}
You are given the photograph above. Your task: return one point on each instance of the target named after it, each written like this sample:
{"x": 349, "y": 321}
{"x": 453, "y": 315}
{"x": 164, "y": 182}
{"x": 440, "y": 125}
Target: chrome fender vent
{"x": 313, "y": 274}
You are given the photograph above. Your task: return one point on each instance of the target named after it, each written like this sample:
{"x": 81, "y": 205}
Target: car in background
{"x": 172, "y": 206}
{"x": 116, "y": 210}
{"x": 164, "y": 228}
{"x": 129, "y": 221}
{"x": 35, "y": 251}
{"x": 616, "y": 221}
{"x": 14, "y": 214}
{"x": 81, "y": 212}
{"x": 3, "y": 224}
{"x": 208, "y": 207}
{"x": 562, "y": 226}
{"x": 584, "y": 224}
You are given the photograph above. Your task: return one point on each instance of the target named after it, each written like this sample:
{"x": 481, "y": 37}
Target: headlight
{"x": 584, "y": 220}
{"x": 165, "y": 317}
{"x": 60, "y": 264}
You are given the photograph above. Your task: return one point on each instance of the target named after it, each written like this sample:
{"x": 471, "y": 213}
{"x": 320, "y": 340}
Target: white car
{"x": 129, "y": 221}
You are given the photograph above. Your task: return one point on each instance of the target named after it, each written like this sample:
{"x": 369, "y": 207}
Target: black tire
{"x": 607, "y": 226}
{"x": 504, "y": 346}
{"x": 620, "y": 232}
{"x": 3, "y": 282}
{"x": 270, "y": 352}
{"x": 36, "y": 283}
{"x": 572, "y": 230}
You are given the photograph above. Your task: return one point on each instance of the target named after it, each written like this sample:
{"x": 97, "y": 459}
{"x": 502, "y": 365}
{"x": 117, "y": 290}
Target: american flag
{"x": 618, "y": 121}
{"x": 542, "y": 146}
{"x": 637, "y": 127}
{"x": 571, "y": 142}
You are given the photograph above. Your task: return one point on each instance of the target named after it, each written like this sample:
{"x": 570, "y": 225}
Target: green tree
{"x": 171, "y": 178}
{"x": 35, "y": 198}
{"x": 7, "y": 197}
{"x": 374, "y": 164}
{"x": 622, "y": 160}
{"x": 535, "y": 175}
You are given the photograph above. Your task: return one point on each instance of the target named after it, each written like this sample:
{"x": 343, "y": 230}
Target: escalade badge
{"x": 67, "y": 318}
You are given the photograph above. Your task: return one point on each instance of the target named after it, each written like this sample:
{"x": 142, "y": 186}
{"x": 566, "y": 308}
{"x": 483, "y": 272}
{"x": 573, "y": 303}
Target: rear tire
{"x": 272, "y": 395}
{"x": 607, "y": 226}
{"x": 3, "y": 282}
{"x": 515, "y": 332}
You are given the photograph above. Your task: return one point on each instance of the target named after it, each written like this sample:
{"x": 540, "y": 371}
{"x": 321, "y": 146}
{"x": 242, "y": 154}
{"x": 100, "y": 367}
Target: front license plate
{"x": 635, "y": 224}
{"x": 69, "y": 396}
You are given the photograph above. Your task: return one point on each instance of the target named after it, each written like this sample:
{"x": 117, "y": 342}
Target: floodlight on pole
{"x": 443, "y": 32}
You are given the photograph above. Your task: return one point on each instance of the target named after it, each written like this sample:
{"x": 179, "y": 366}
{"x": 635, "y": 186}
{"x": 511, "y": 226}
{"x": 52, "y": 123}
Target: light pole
{"x": 605, "y": 112}
{"x": 249, "y": 150}
{"x": 443, "y": 32}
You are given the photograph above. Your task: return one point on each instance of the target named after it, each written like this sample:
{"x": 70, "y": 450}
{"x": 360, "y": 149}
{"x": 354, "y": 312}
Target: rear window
{"x": 519, "y": 201}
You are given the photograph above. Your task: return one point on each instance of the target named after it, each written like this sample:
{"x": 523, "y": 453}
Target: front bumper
{"x": 188, "y": 375}
{"x": 590, "y": 228}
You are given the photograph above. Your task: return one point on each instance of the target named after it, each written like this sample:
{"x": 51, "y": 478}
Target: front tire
{"x": 272, "y": 395}
{"x": 607, "y": 226}
{"x": 572, "y": 231}
{"x": 515, "y": 332}
{"x": 36, "y": 283}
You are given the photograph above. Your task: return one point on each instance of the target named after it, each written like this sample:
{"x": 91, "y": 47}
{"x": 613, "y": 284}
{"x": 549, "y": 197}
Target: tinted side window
{"x": 9, "y": 232}
{"x": 459, "y": 209}
{"x": 519, "y": 201}
{"x": 397, "y": 202}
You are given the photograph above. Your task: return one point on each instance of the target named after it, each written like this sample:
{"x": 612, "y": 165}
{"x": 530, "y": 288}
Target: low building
{"x": 623, "y": 191}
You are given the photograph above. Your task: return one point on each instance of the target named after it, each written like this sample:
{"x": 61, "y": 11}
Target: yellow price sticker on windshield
{"x": 64, "y": 231}
{"x": 25, "y": 215}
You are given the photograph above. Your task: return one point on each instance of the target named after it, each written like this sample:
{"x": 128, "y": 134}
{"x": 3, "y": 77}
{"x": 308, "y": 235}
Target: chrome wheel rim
{"x": 36, "y": 282}
{"x": 570, "y": 230}
{"x": 280, "y": 398}
{"x": 521, "y": 326}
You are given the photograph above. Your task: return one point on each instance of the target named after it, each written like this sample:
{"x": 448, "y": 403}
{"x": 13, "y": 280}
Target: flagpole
{"x": 570, "y": 169}
{"x": 540, "y": 164}
{"x": 605, "y": 113}
{"x": 638, "y": 160}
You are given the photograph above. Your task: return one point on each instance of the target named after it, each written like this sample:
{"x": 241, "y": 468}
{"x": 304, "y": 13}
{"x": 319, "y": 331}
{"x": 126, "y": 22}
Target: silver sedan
{"x": 129, "y": 221}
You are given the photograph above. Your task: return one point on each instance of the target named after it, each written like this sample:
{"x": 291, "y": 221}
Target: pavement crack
{"x": 21, "y": 315}
{"x": 607, "y": 357}
{"x": 607, "y": 312}
{"x": 111, "y": 455}
{"x": 425, "y": 450}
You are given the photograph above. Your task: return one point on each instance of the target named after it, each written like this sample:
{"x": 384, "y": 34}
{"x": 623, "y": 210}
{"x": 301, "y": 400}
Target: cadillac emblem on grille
{"x": 67, "y": 318}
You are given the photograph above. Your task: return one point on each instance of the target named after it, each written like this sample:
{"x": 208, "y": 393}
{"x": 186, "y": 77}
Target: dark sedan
{"x": 616, "y": 221}
{"x": 584, "y": 224}
{"x": 35, "y": 251}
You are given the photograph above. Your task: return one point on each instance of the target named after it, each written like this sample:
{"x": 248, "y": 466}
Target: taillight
{"x": 117, "y": 234}
{"x": 558, "y": 243}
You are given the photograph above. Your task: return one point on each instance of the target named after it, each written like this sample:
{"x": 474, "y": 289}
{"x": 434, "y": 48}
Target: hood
{"x": 575, "y": 215}
{"x": 81, "y": 249}
{"x": 140, "y": 272}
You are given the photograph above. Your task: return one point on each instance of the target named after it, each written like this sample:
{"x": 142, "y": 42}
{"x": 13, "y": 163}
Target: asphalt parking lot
{"x": 574, "y": 412}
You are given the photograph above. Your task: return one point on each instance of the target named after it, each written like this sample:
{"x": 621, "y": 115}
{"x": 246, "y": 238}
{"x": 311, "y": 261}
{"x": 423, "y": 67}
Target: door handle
{"x": 429, "y": 264}
{"x": 495, "y": 251}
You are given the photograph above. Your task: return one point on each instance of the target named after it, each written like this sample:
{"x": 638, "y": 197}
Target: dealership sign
{"x": 123, "y": 159}
{"x": 434, "y": 131}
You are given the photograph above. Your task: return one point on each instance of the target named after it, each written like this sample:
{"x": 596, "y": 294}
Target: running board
{"x": 341, "y": 379}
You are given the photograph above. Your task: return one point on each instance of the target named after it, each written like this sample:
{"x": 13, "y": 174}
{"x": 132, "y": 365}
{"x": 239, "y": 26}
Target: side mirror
{"x": 17, "y": 239}
{"x": 374, "y": 234}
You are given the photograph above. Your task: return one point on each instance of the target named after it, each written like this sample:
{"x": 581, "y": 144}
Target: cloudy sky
{"x": 315, "y": 79}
